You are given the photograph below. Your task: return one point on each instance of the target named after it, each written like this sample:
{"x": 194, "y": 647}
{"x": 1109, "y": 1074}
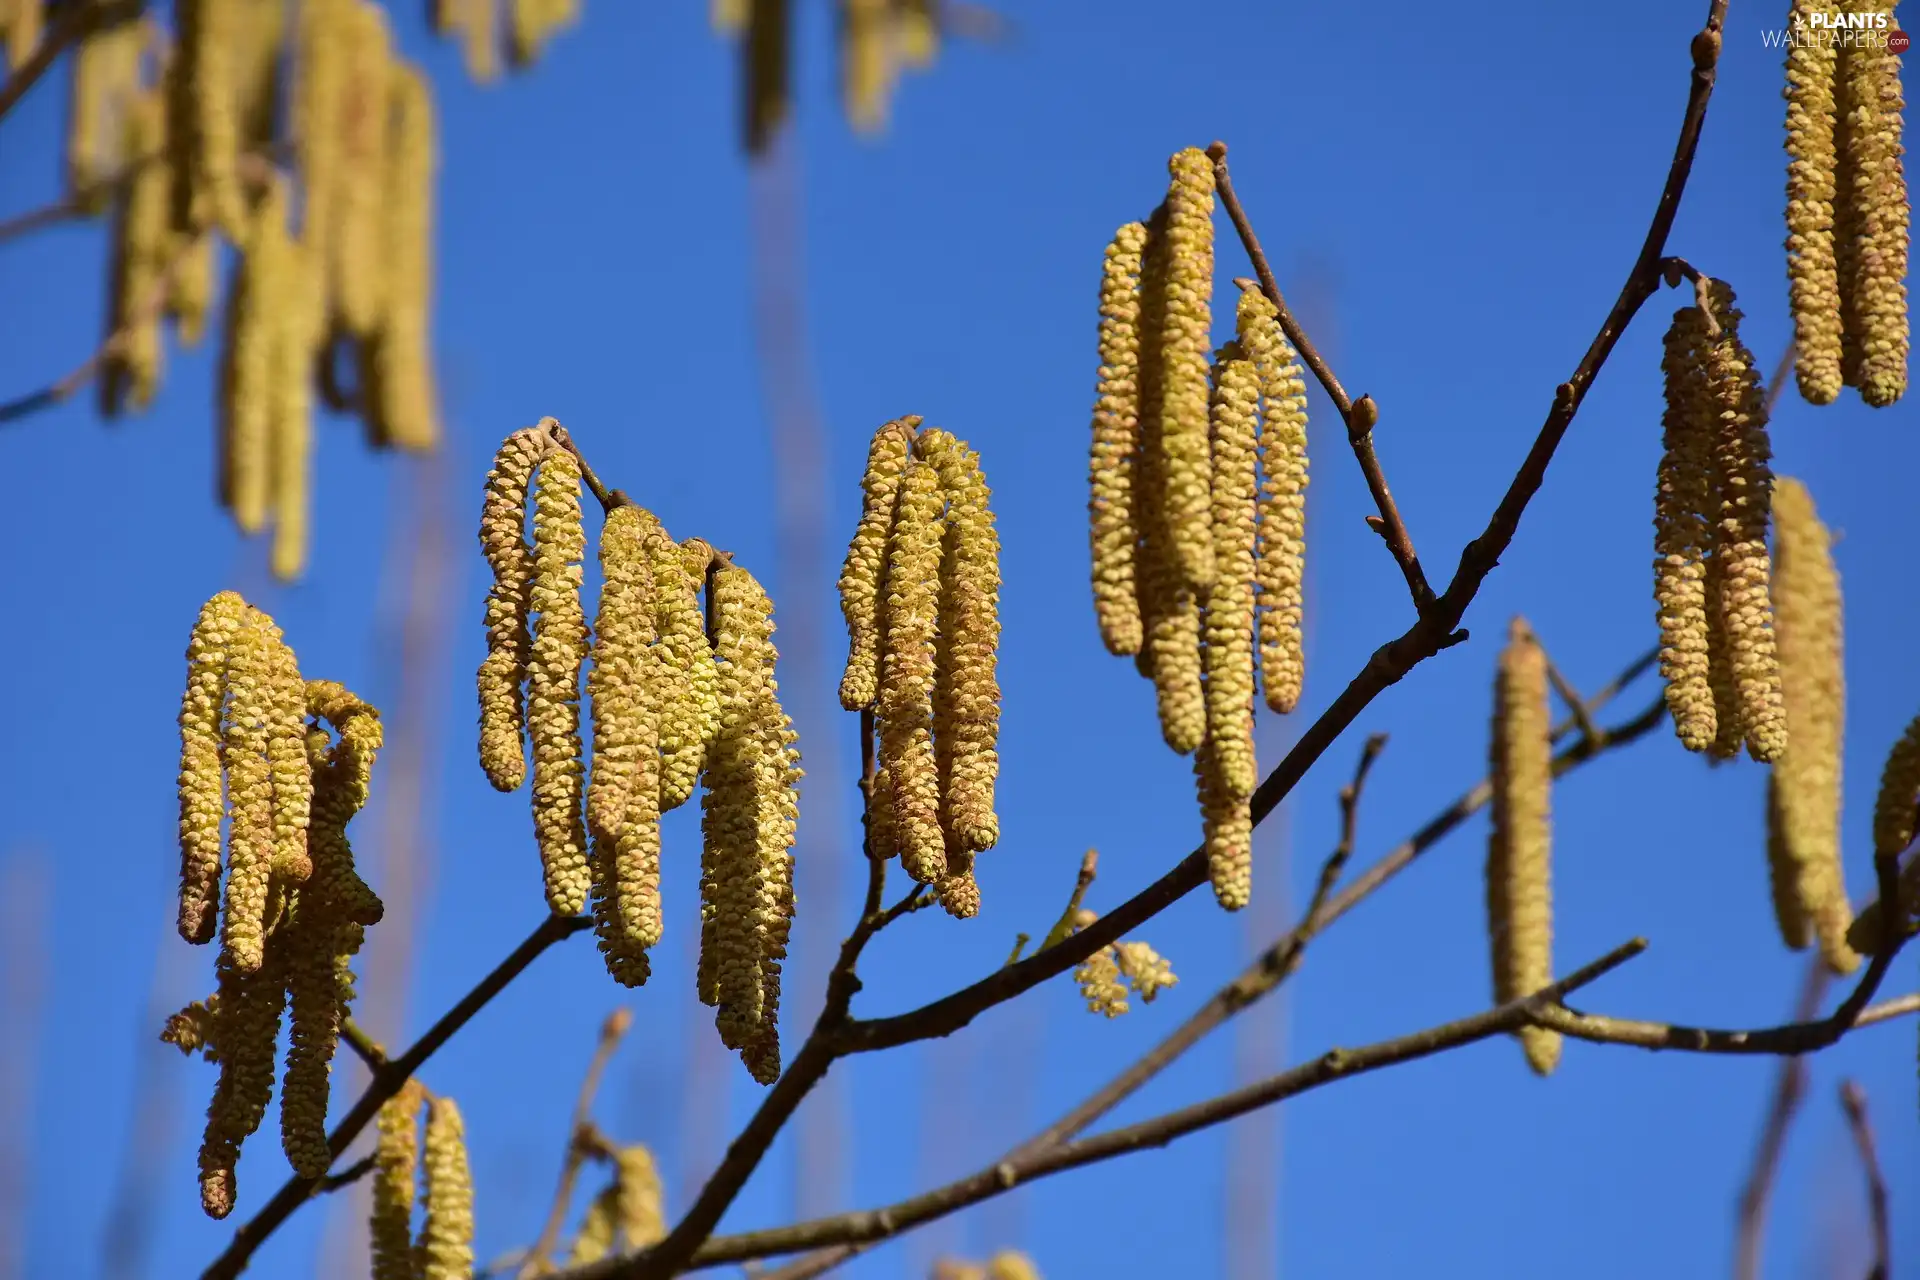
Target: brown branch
{"x": 607, "y": 498}
{"x": 1577, "y": 705}
{"x": 1790, "y": 1085}
{"x": 362, "y": 1044}
{"x": 1359, "y": 416}
{"x": 582, "y": 1141}
{"x": 386, "y": 1082}
{"x": 1349, "y": 823}
{"x": 1335, "y": 1064}
{"x": 1853, "y": 1100}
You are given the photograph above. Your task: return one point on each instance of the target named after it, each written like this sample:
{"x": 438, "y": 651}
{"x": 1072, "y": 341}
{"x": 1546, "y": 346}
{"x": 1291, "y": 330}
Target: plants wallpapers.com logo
{"x": 1839, "y": 30}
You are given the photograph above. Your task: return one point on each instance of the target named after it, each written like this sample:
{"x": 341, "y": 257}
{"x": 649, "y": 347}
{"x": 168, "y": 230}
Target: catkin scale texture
{"x": 1683, "y": 533}
{"x": 245, "y": 1028}
{"x": 1185, "y": 349}
{"x": 908, "y": 671}
{"x": 553, "y": 681}
{"x": 1280, "y": 554}
{"x": 863, "y": 574}
{"x": 686, "y": 709}
{"x": 1812, "y": 272}
{"x": 395, "y": 1183}
{"x": 1519, "y": 850}
{"x": 503, "y": 517}
{"x": 1113, "y": 527}
{"x": 1878, "y": 221}
{"x": 1896, "y": 802}
{"x": 201, "y": 784}
{"x": 445, "y": 1250}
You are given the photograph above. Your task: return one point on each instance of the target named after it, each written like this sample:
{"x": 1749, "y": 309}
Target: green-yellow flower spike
{"x": 1683, "y": 514}
{"x": 357, "y": 277}
{"x": 1808, "y": 632}
{"x": 503, "y": 517}
{"x": 1113, "y": 527}
{"x": 684, "y": 658}
{"x": 1186, "y": 348}
{"x": 1519, "y": 852}
{"x": 863, "y": 575}
{"x": 290, "y": 414}
{"x": 1230, "y": 603}
{"x": 1783, "y": 874}
{"x": 1898, "y": 800}
{"x": 445, "y": 1251}
{"x": 908, "y": 669}
{"x": 143, "y": 238}
{"x": 1282, "y": 553}
{"x": 244, "y": 1032}
{"x": 250, "y": 832}
{"x": 1876, "y": 222}
{"x": 1812, "y": 277}
{"x": 1227, "y": 830}
{"x": 205, "y": 117}
{"x": 553, "y": 681}
{"x": 250, "y": 363}
{"x": 395, "y": 1179}
{"x": 640, "y": 1201}
{"x": 202, "y": 797}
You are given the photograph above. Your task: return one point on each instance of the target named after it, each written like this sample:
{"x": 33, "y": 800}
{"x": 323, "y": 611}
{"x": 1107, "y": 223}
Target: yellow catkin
{"x": 244, "y": 1031}
{"x": 319, "y": 101}
{"x": 1867, "y": 934}
{"x": 684, "y": 693}
{"x": 24, "y": 22}
{"x": 1146, "y": 970}
{"x": 288, "y": 765}
{"x": 106, "y": 82}
{"x": 445, "y": 1250}
{"x": 1185, "y": 351}
{"x": 1783, "y": 874}
{"x": 867, "y": 67}
{"x": 1101, "y": 985}
{"x": 916, "y": 32}
{"x": 1745, "y": 482}
{"x": 1683, "y": 529}
{"x": 1280, "y": 568}
{"x": 1807, "y": 624}
{"x": 532, "y": 23}
{"x": 503, "y": 517}
{"x": 747, "y": 863}
{"x": 1010, "y": 1265}
{"x": 1169, "y": 610}
{"x": 250, "y": 833}
{"x": 142, "y": 242}
{"x": 599, "y": 1229}
{"x": 404, "y": 406}
{"x": 1729, "y": 717}
{"x": 261, "y": 34}
{"x": 728, "y": 17}
{"x": 250, "y": 363}
{"x": 766, "y": 49}
{"x": 357, "y": 277}
{"x": 296, "y": 340}
{"x": 1896, "y": 803}
{"x": 191, "y": 285}
{"x": 1878, "y": 216}
{"x": 1114, "y": 530}
{"x": 553, "y": 681}
{"x": 395, "y": 1179}
{"x": 640, "y": 1201}
{"x": 966, "y": 701}
{"x": 202, "y": 797}
{"x": 1519, "y": 852}
{"x": 340, "y": 791}
{"x": 1227, "y": 831}
{"x": 205, "y": 119}
{"x": 908, "y": 670}
{"x": 863, "y": 575}
{"x": 1811, "y": 169}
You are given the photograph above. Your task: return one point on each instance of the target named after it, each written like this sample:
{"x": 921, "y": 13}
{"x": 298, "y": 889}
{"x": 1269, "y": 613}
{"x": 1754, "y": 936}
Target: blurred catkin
{"x": 403, "y": 409}
{"x": 296, "y": 340}
{"x": 1519, "y": 850}
{"x": 1807, "y": 775}
{"x": 1280, "y": 569}
{"x": 1876, "y": 222}
{"x": 204, "y": 117}
{"x": 356, "y": 277}
{"x": 503, "y": 517}
{"x": 868, "y": 69}
{"x": 1113, "y": 528}
{"x": 1683, "y": 532}
{"x": 1184, "y": 352}
{"x": 395, "y": 1184}
{"x": 105, "y": 85}
{"x": 553, "y": 680}
{"x": 1811, "y": 171}
{"x": 863, "y": 574}
{"x": 250, "y": 363}
{"x": 21, "y": 24}
{"x": 143, "y": 240}
{"x": 445, "y": 1251}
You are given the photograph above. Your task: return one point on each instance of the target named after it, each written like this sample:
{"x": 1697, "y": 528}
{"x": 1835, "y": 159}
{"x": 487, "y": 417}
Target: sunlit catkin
{"x": 1783, "y": 873}
{"x": 250, "y": 833}
{"x": 503, "y": 518}
{"x": 1741, "y": 455}
{"x": 1683, "y": 529}
{"x": 395, "y": 1183}
{"x": 1230, "y": 602}
{"x": 1113, "y": 526}
{"x": 1227, "y": 830}
{"x": 319, "y": 102}
{"x": 143, "y": 241}
{"x": 553, "y": 681}
{"x": 687, "y": 713}
{"x": 863, "y": 574}
{"x": 296, "y": 339}
{"x": 1873, "y": 188}
{"x": 1281, "y": 555}
{"x": 21, "y": 24}
{"x": 1807, "y": 625}
{"x": 404, "y": 409}
{"x": 1897, "y": 803}
{"x": 357, "y": 276}
{"x": 445, "y": 1251}
{"x": 106, "y": 82}
{"x": 1185, "y": 353}
{"x": 1812, "y": 280}
{"x": 1519, "y": 850}
{"x": 244, "y": 1033}
{"x": 204, "y": 126}
{"x": 256, "y": 314}
{"x": 202, "y": 795}
{"x": 867, "y": 67}
{"x": 907, "y": 672}
{"x": 966, "y": 696}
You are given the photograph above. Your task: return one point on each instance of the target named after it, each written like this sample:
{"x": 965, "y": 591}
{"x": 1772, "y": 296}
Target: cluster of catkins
{"x": 677, "y": 697}
{"x": 1198, "y": 507}
{"x": 628, "y": 1215}
{"x": 878, "y": 38}
{"x": 1106, "y": 975}
{"x": 920, "y": 590}
{"x": 443, "y": 1249}
{"x": 1008, "y": 1264}
{"x": 255, "y": 750}
{"x": 1848, "y": 219}
{"x": 486, "y": 28}
{"x": 180, "y": 141}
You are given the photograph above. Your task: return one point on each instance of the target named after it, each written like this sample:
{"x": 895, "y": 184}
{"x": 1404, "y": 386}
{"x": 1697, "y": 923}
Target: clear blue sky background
{"x": 1469, "y": 191}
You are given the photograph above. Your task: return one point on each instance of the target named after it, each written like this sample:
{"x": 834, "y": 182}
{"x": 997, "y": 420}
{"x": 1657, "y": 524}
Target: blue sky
{"x": 1461, "y": 200}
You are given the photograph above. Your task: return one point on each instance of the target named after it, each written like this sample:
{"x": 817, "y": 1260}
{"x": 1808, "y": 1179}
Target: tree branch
{"x": 1790, "y": 1085}
{"x": 1853, "y": 1100}
{"x": 386, "y": 1082}
{"x": 579, "y": 1135}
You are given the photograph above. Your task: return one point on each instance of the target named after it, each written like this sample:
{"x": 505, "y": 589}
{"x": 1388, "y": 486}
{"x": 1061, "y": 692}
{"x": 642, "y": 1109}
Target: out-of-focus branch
{"x": 1789, "y": 1088}
{"x": 1853, "y": 1100}
{"x": 580, "y": 1135}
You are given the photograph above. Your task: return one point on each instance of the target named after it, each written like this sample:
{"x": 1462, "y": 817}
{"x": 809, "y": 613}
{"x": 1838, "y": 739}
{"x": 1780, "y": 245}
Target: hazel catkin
{"x": 404, "y": 406}
{"x": 686, "y": 709}
{"x": 553, "y": 681}
{"x": 1112, "y": 523}
{"x": 503, "y": 517}
{"x": 1897, "y": 803}
{"x": 106, "y": 82}
{"x": 1280, "y": 564}
{"x": 863, "y": 575}
{"x": 1878, "y": 219}
{"x": 142, "y": 239}
{"x": 1184, "y": 353}
{"x": 445, "y": 1249}
{"x": 1683, "y": 532}
{"x": 1812, "y": 277}
{"x": 395, "y": 1183}
{"x": 1519, "y": 848}
{"x": 204, "y": 123}
{"x": 908, "y": 670}
{"x": 356, "y": 274}
{"x": 201, "y": 784}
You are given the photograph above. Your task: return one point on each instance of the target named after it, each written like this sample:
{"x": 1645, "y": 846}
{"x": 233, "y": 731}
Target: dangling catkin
{"x": 1184, "y": 352}
{"x": 106, "y": 82}
{"x": 395, "y": 1183}
{"x": 1281, "y": 555}
{"x": 1113, "y": 528}
{"x": 1807, "y": 624}
{"x": 445, "y": 1250}
{"x": 244, "y": 1032}
{"x": 1741, "y": 455}
{"x": 202, "y": 798}
{"x": 1898, "y": 800}
{"x": 687, "y": 712}
{"x": 1783, "y": 873}
{"x": 142, "y": 242}
{"x": 1873, "y": 189}
{"x": 204, "y": 128}
{"x": 1811, "y": 273}
{"x": 250, "y": 834}
{"x": 1519, "y": 850}
{"x": 296, "y": 338}
{"x": 1225, "y": 762}
{"x": 404, "y": 409}
{"x": 21, "y": 28}
{"x": 262, "y": 31}
{"x": 357, "y": 275}
{"x": 319, "y": 102}
{"x": 863, "y": 574}
{"x": 553, "y": 681}
{"x": 1683, "y": 532}
{"x": 907, "y": 672}
{"x": 867, "y": 70}
{"x": 250, "y": 363}
{"x": 503, "y": 517}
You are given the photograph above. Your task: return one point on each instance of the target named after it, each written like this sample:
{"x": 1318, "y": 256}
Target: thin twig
{"x": 364, "y": 1045}
{"x": 1790, "y": 1084}
{"x": 348, "y": 1176}
{"x": 1782, "y": 368}
{"x": 1349, "y": 825}
{"x": 607, "y": 498}
{"x": 1576, "y": 705}
{"x": 1359, "y": 416}
{"x": 1853, "y": 1100}
{"x": 580, "y": 1133}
